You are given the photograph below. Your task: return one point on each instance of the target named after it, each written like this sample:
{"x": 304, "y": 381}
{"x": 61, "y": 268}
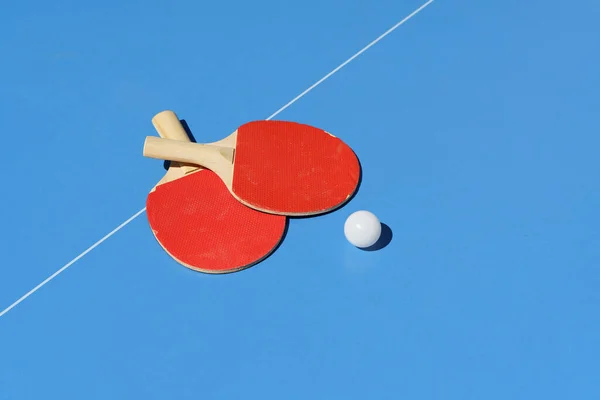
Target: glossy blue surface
{"x": 476, "y": 124}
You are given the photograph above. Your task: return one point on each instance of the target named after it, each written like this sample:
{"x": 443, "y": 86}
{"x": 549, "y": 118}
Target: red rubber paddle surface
{"x": 292, "y": 168}
{"x": 200, "y": 224}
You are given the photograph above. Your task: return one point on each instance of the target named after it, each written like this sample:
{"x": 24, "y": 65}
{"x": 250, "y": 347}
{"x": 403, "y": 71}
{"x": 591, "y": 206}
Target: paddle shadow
{"x": 186, "y": 127}
{"x": 283, "y": 236}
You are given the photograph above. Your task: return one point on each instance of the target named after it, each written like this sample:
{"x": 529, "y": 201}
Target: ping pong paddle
{"x": 277, "y": 167}
{"x": 197, "y": 221}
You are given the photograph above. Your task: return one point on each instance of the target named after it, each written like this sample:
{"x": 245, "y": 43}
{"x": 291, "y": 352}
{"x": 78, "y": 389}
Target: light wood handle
{"x": 168, "y": 126}
{"x": 207, "y": 156}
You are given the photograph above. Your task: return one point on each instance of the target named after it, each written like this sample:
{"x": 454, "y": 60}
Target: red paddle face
{"x": 292, "y": 168}
{"x": 201, "y": 225}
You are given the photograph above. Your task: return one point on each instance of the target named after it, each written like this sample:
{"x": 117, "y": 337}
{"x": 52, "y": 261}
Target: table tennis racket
{"x": 277, "y": 167}
{"x": 197, "y": 221}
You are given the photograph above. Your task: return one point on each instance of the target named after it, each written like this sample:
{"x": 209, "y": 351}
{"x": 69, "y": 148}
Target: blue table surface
{"x": 476, "y": 124}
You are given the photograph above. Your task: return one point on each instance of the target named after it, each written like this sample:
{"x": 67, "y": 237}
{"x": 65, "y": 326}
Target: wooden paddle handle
{"x": 168, "y": 126}
{"x": 208, "y": 156}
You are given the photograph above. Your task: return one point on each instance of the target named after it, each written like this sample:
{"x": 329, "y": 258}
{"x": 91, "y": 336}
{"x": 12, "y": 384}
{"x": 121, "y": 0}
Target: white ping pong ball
{"x": 362, "y": 229}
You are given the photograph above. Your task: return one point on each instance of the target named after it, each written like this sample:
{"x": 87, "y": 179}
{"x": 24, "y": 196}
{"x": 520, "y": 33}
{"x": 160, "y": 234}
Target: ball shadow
{"x": 384, "y": 240}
